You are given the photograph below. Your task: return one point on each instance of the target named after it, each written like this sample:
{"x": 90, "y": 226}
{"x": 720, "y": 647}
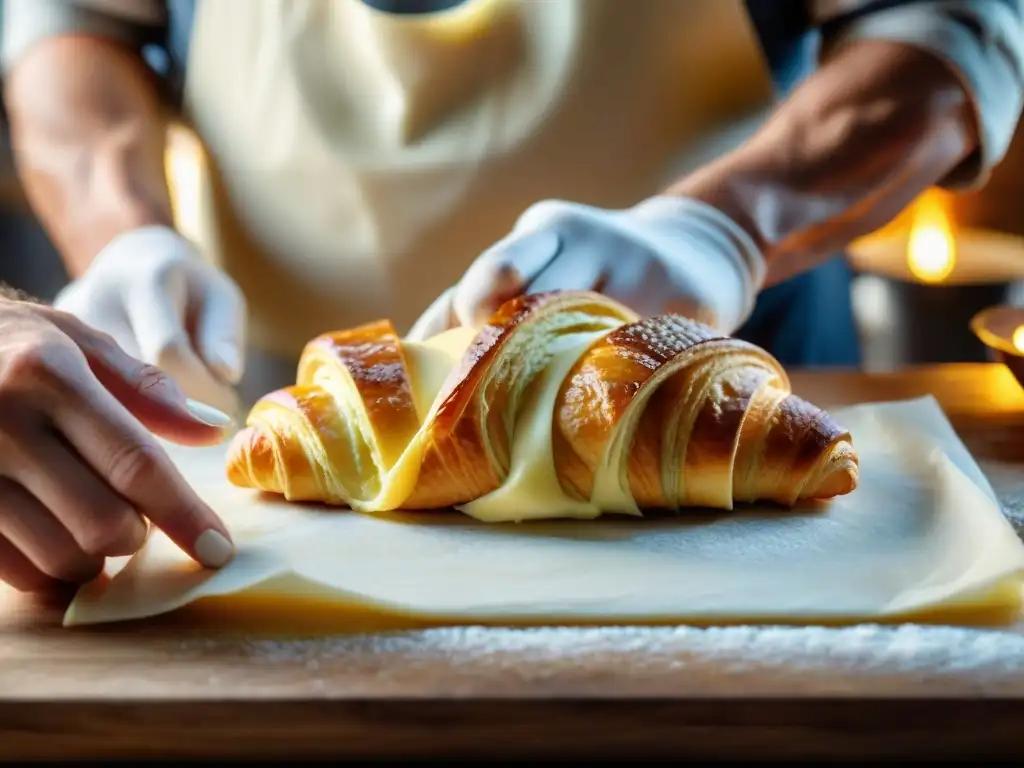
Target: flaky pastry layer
{"x": 564, "y": 404}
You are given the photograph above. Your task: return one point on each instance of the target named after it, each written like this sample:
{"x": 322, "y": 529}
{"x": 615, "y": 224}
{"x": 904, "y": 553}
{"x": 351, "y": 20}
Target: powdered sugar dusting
{"x": 866, "y": 659}
{"x": 907, "y": 648}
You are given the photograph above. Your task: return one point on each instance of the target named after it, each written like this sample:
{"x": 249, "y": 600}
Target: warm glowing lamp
{"x": 931, "y": 246}
{"x": 1001, "y": 330}
{"x": 925, "y": 246}
{"x": 936, "y": 275}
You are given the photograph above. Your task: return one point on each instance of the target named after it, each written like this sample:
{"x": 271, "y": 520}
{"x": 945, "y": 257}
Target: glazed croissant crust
{"x": 564, "y": 404}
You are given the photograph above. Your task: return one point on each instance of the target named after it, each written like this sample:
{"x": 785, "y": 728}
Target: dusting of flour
{"x": 862, "y": 660}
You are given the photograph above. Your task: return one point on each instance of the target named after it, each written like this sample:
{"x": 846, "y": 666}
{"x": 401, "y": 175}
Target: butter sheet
{"x": 922, "y": 534}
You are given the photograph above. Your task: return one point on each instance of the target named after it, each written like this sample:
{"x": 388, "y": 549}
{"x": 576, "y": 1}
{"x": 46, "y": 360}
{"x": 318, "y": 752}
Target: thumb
{"x": 148, "y": 393}
{"x": 220, "y": 327}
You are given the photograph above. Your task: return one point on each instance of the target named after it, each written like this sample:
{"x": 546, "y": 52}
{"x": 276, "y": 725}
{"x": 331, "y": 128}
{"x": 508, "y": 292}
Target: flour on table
{"x": 986, "y": 656}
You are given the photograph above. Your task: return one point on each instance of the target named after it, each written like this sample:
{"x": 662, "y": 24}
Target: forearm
{"x": 851, "y": 147}
{"x": 88, "y": 135}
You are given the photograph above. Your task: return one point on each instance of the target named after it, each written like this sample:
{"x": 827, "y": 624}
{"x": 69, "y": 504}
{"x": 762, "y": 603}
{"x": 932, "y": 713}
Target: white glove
{"x": 667, "y": 254}
{"x": 150, "y": 290}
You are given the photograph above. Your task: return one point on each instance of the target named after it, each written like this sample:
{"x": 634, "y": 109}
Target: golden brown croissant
{"x": 564, "y": 404}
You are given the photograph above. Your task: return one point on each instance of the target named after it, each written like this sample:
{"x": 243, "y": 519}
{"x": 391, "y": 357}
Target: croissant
{"x": 564, "y": 404}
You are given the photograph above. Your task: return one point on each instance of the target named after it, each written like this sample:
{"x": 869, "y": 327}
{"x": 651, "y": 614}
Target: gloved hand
{"x": 667, "y": 254}
{"x": 150, "y": 290}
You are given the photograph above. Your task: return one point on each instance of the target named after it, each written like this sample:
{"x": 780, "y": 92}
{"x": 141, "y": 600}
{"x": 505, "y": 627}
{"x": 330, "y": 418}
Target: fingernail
{"x": 208, "y": 414}
{"x": 213, "y": 550}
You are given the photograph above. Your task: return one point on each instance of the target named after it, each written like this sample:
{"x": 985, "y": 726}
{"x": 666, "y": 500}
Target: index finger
{"x": 149, "y": 393}
{"x": 132, "y": 462}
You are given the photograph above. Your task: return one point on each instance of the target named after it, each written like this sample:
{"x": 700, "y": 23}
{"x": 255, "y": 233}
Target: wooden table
{"x": 630, "y": 692}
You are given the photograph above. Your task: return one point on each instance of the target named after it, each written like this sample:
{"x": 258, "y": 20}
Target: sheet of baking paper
{"x": 923, "y": 532}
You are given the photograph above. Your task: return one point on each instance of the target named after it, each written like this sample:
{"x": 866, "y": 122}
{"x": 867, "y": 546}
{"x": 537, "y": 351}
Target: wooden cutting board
{"x": 196, "y": 684}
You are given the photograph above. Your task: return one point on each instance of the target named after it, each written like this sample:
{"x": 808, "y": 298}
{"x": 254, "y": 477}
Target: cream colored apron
{"x": 360, "y": 161}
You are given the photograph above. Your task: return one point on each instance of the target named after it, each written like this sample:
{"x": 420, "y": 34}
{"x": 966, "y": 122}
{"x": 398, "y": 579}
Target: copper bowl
{"x": 995, "y": 328}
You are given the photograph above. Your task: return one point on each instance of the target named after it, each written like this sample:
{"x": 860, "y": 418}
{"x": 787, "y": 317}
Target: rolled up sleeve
{"x": 981, "y": 40}
{"x": 26, "y": 22}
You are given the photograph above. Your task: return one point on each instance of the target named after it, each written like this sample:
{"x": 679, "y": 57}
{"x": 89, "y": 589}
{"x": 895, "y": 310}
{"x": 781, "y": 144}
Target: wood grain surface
{"x": 190, "y": 686}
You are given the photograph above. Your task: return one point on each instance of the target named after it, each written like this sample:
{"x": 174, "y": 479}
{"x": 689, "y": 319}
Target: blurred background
{"x": 919, "y": 281}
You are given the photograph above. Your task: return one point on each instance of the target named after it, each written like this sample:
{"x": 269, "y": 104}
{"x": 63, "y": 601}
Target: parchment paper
{"x": 922, "y": 534}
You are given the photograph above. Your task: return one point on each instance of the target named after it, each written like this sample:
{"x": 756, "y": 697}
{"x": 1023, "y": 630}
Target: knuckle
{"x": 20, "y": 423}
{"x": 91, "y": 334}
{"x": 104, "y": 342}
{"x": 107, "y": 533}
{"x": 547, "y": 212}
{"x": 26, "y": 581}
{"x": 39, "y": 368}
{"x": 71, "y": 566}
{"x": 73, "y": 322}
{"x": 27, "y": 363}
{"x": 134, "y": 465}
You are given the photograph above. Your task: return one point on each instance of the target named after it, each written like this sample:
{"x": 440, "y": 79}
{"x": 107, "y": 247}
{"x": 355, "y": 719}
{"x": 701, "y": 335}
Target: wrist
{"x": 156, "y": 237}
{"x": 116, "y": 208}
{"x": 87, "y": 233}
{"x": 724, "y": 185}
{"x": 713, "y": 245}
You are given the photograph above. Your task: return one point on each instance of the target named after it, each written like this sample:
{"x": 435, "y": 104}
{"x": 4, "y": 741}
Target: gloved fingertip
{"x": 225, "y": 360}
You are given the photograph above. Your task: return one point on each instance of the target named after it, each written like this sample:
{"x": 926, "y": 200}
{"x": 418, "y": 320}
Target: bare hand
{"x": 80, "y": 470}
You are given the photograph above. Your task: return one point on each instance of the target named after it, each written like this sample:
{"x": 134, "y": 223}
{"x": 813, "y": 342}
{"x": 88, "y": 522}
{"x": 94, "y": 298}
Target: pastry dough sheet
{"x": 922, "y": 534}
